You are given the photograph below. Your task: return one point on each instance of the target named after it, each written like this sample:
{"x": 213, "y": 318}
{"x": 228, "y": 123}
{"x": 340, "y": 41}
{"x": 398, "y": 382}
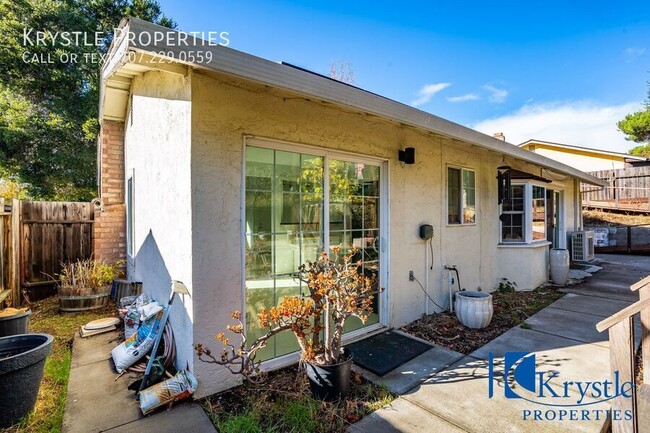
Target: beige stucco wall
{"x": 157, "y": 155}
{"x": 582, "y": 160}
{"x": 224, "y": 110}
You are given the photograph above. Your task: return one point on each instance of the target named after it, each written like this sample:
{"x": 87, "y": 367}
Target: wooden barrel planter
{"x": 72, "y": 300}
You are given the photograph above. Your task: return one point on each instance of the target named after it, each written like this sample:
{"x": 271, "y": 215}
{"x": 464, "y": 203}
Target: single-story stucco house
{"x": 228, "y": 173}
{"x": 584, "y": 158}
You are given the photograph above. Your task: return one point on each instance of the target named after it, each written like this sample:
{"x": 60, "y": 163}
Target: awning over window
{"x": 521, "y": 175}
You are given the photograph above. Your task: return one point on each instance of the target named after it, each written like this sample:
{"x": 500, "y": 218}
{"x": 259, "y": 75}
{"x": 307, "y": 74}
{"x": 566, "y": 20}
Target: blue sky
{"x": 554, "y": 70}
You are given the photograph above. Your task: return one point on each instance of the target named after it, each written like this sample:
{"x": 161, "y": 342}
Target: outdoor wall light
{"x": 407, "y": 156}
{"x": 505, "y": 183}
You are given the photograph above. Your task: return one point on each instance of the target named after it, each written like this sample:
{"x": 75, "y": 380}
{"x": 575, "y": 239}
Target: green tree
{"x": 642, "y": 150}
{"x": 637, "y": 128}
{"x": 49, "y": 106}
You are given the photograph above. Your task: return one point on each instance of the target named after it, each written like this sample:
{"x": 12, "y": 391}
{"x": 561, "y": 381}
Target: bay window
{"x": 523, "y": 216}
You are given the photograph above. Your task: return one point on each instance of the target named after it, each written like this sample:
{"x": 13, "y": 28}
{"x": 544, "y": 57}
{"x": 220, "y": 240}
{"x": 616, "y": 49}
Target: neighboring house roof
{"x": 569, "y": 147}
{"x": 120, "y": 66}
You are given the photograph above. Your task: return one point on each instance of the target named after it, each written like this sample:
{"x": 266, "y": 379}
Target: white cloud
{"x": 582, "y": 123}
{"x": 463, "y": 98}
{"x": 632, "y": 53}
{"x": 495, "y": 94}
{"x": 425, "y": 94}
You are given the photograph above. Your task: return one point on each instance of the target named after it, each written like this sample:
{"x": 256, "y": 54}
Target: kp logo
{"x": 521, "y": 380}
{"x": 518, "y": 365}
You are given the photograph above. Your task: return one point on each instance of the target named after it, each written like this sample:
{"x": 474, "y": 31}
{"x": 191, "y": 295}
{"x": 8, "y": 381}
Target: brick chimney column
{"x": 109, "y": 229}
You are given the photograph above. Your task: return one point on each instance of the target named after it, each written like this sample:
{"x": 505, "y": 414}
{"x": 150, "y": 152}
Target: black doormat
{"x": 385, "y": 352}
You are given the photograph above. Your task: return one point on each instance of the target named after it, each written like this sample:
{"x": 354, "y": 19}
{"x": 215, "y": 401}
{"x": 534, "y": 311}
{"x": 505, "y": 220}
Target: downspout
{"x": 577, "y": 209}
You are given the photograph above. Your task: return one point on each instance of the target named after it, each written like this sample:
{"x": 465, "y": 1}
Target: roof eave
{"x": 582, "y": 149}
{"x": 252, "y": 68}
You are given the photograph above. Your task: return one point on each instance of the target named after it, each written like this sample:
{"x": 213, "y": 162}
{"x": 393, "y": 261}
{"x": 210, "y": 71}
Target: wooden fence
{"x": 9, "y": 262}
{"x": 37, "y": 237}
{"x": 628, "y": 190}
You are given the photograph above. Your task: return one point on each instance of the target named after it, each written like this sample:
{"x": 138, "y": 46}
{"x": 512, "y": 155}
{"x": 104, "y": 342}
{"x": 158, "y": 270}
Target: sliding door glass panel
{"x": 283, "y": 224}
{"x": 354, "y": 219}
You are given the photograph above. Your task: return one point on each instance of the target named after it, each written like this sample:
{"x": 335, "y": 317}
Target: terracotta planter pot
{"x": 73, "y": 300}
{"x": 329, "y": 382}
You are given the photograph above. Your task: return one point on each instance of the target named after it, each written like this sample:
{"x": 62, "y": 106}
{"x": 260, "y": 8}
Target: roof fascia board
{"x": 581, "y": 149}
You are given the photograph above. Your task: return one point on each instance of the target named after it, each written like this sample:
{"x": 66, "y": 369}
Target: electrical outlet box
{"x": 426, "y": 231}
{"x": 411, "y": 276}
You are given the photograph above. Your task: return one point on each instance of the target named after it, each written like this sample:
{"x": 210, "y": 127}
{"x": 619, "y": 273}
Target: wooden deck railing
{"x": 623, "y": 353}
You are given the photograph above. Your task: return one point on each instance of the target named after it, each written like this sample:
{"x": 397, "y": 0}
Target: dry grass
{"x": 47, "y": 415}
{"x": 510, "y": 309}
{"x": 594, "y": 218}
{"x": 284, "y": 404}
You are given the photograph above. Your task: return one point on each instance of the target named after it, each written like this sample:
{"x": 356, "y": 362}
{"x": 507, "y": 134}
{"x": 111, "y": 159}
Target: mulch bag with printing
{"x": 138, "y": 345}
{"x": 178, "y": 387}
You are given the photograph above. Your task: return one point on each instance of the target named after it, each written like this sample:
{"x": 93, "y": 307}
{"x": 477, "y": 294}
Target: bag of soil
{"x": 178, "y": 387}
{"x": 138, "y": 345}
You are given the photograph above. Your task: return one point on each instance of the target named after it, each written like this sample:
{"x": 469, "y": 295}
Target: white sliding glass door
{"x": 298, "y": 204}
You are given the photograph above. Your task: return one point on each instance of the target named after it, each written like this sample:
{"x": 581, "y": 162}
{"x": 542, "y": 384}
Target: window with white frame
{"x": 538, "y": 212}
{"x": 513, "y": 216}
{"x": 523, "y": 216}
{"x": 461, "y": 196}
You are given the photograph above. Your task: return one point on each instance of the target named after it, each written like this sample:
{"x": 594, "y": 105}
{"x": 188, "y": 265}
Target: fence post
{"x": 3, "y": 252}
{"x": 617, "y": 193}
{"x": 644, "y": 293}
{"x": 628, "y": 241}
{"x": 14, "y": 256}
{"x": 621, "y": 349}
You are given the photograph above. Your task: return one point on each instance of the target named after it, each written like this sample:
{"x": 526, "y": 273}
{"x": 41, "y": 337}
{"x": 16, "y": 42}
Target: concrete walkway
{"x": 97, "y": 402}
{"x": 564, "y": 339}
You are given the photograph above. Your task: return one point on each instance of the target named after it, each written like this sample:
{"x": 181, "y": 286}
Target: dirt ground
{"x": 510, "y": 309}
{"x": 606, "y": 219}
{"x": 284, "y": 404}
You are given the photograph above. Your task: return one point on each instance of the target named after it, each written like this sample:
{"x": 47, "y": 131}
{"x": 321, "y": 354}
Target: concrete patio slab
{"x": 628, "y": 262}
{"x": 568, "y": 324}
{"x": 415, "y": 371}
{"x": 97, "y": 402}
{"x": 607, "y": 290}
{"x": 614, "y": 280}
{"x": 93, "y": 349}
{"x": 403, "y": 416}
{"x": 186, "y": 417}
{"x": 553, "y": 353}
{"x": 563, "y": 338}
{"x": 601, "y": 307}
{"x": 459, "y": 395}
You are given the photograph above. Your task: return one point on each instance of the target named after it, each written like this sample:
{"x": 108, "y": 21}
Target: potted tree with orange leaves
{"x": 337, "y": 290}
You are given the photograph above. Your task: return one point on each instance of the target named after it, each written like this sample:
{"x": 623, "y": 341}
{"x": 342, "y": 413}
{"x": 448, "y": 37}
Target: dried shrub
{"x": 338, "y": 289}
